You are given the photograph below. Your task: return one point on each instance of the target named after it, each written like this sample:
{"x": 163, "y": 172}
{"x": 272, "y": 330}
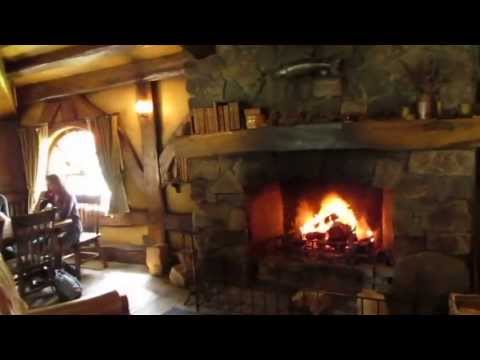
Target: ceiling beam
{"x": 147, "y": 70}
{"x": 60, "y": 58}
{"x": 7, "y": 98}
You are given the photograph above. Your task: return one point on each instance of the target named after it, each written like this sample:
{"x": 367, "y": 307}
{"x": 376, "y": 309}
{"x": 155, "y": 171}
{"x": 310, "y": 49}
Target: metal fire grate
{"x": 269, "y": 301}
{"x": 221, "y": 294}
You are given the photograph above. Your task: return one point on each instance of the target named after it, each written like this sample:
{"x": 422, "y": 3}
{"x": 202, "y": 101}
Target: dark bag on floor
{"x": 68, "y": 287}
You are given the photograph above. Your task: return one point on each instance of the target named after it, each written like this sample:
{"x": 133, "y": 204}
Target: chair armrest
{"x": 108, "y": 304}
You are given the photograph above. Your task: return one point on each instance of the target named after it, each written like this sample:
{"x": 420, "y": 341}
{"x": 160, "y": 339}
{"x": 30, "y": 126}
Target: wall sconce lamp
{"x": 144, "y": 107}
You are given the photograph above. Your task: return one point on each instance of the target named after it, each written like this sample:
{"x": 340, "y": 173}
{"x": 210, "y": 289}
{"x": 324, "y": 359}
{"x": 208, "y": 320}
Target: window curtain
{"x": 107, "y": 142}
{"x": 34, "y": 144}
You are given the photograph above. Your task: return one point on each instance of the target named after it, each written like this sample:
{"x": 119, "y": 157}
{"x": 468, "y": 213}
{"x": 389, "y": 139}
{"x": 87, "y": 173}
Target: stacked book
{"x": 183, "y": 174}
{"x": 221, "y": 117}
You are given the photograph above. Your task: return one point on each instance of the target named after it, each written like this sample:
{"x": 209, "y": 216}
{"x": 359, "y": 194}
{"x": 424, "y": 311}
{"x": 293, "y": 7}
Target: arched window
{"x": 73, "y": 157}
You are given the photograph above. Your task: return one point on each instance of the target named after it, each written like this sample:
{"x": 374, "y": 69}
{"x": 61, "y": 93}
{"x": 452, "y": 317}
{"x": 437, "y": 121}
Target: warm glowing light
{"x": 73, "y": 157}
{"x": 332, "y": 204}
{"x": 144, "y": 107}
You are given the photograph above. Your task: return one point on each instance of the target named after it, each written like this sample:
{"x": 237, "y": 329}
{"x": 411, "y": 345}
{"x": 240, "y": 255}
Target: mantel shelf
{"x": 395, "y": 135}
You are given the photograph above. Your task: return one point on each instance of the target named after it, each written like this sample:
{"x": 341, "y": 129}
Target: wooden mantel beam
{"x": 147, "y": 70}
{"x": 376, "y": 135}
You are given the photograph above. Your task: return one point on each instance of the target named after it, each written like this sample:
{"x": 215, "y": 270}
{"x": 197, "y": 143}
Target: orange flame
{"x": 321, "y": 222}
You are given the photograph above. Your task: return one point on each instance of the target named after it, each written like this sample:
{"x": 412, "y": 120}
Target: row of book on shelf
{"x": 218, "y": 118}
{"x": 182, "y": 169}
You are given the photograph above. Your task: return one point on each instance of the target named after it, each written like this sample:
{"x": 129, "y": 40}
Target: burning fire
{"x": 333, "y": 209}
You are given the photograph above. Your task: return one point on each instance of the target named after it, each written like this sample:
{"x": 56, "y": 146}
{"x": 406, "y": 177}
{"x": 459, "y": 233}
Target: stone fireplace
{"x": 285, "y": 202}
{"x": 418, "y": 204}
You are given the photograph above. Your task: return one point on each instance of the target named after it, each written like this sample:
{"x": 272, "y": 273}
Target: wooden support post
{"x": 7, "y": 98}
{"x": 475, "y": 260}
{"x": 156, "y": 255}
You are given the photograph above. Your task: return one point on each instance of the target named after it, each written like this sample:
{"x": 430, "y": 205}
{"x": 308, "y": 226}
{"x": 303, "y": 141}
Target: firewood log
{"x": 316, "y": 302}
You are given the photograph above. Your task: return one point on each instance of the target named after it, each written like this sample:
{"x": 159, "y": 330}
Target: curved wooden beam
{"x": 62, "y": 57}
{"x": 8, "y": 106}
{"x": 147, "y": 70}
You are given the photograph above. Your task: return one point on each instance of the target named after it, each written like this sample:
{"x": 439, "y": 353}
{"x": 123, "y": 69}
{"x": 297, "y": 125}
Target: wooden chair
{"x": 34, "y": 238}
{"x": 13, "y": 204}
{"x": 88, "y": 248}
{"x": 4, "y": 205}
{"x": 11, "y": 303}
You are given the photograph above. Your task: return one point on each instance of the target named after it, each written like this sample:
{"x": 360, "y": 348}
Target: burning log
{"x": 315, "y": 236}
{"x": 339, "y": 233}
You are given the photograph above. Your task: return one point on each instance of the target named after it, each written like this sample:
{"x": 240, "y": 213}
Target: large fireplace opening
{"x": 323, "y": 221}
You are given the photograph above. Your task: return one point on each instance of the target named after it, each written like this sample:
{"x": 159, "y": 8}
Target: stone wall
{"x": 433, "y": 190}
{"x": 374, "y": 79}
{"x": 432, "y": 208}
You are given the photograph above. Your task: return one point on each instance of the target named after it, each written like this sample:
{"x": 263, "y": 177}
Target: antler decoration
{"x": 425, "y": 76}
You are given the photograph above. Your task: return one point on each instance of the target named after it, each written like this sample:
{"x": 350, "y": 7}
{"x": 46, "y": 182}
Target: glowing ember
{"x": 333, "y": 210}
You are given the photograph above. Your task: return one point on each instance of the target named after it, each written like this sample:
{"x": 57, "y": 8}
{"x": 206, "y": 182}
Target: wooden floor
{"x": 147, "y": 295}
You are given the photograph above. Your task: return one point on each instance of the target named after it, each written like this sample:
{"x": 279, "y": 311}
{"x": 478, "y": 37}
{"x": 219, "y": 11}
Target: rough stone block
{"x": 234, "y": 92}
{"x": 209, "y": 66}
{"x": 353, "y": 106}
{"x": 322, "y": 109}
{"x": 206, "y": 88}
{"x": 450, "y": 244}
{"x": 226, "y": 184}
{"x": 245, "y": 72}
{"x": 426, "y": 279}
{"x": 327, "y": 87}
{"x": 204, "y": 168}
{"x": 453, "y": 188}
{"x": 453, "y": 216}
{"x": 420, "y": 206}
{"x": 199, "y": 189}
{"x": 413, "y": 187}
{"x": 254, "y": 169}
{"x": 201, "y": 220}
{"x": 237, "y": 200}
{"x": 388, "y": 174}
{"x": 219, "y": 212}
{"x": 408, "y": 245}
{"x": 443, "y": 162}
{"x": 237, "y": 220}
{"x": 436, "y": 188}
{"x": 231, "y": 244}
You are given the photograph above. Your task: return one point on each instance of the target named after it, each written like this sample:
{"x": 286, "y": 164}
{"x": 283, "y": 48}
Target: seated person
{"x": 66, "y": 204}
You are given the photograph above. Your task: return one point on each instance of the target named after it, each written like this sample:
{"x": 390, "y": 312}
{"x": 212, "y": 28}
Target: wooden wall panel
{"x": 12, "y": 179}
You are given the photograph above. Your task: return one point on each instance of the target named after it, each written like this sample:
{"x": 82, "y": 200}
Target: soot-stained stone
{"x": 452, "y": 216}
{"x": 443, "y": 162}
{"x": 388, "y": 173}
{"x": 449, "y": 243}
